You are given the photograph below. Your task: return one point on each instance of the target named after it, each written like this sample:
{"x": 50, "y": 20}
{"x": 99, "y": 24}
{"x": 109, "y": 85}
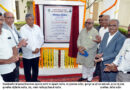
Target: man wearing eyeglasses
{"x": 87, "y": 50}
{"x": 121, "y": 64}
{"x": 8, "y": 54}
{"x": 108, "y": 50}
{"x": 9, "y": 25}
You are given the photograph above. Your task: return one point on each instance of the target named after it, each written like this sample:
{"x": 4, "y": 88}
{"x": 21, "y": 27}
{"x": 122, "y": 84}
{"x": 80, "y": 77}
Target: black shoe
{"x": 89, "y": 81}
{"x": 95, "y": 74}
{"x": 35, "y": 81}
{"x": 38, "y": 81}
{"x": 82, "y": 79}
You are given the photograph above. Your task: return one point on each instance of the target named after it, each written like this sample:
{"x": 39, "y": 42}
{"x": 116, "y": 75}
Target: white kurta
{"x": 34, "y": 37}
{"x": 85, "y": 39}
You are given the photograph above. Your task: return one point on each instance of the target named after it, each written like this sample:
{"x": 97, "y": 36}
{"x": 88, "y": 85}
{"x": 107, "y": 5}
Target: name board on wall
{"x": 57, "y": 23}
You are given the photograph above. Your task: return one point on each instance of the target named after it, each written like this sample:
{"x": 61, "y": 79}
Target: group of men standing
{"x": 29, "y": 40}
{"x": 101, "y": 48}
{"x": 104, "y": 46}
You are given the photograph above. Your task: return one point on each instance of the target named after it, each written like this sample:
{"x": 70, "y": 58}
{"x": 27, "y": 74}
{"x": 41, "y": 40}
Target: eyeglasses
{"x": 88, "y": 23}
{"x": 9, "y": 17}
{"x": 112, "y": 25}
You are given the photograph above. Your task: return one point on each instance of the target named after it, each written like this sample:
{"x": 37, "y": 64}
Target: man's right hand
{"x": 37, "y": 50}
{"x": 98, "y": 39}
{"x": 23, "y": 43}
{"x": 110, "y": 67}
{"x": 81, "y": 49}
{"x": 13, "y": 59}
{"x": 99, "y": 55}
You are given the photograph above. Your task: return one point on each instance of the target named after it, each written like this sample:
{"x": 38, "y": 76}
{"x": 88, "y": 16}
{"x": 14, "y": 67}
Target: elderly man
{"x": 8, "y": 54}
{"x": 104, "y": 29}
{"x": 31, "y": 52}
{"x": 85, "y": 44}
{"x": 104, "y": 21}
{"x": 108, "y": 50}
{"x": 9, "y": 25}
{"x": 122, "y": 62}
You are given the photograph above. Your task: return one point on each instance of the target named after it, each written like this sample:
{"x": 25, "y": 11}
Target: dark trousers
{"x": 97, "y": 70}
{"x": 9, "y": 77}
{"x": 17, "y": 71}
{"x": 28, "y": 65}
{"x": 107, "y": 76}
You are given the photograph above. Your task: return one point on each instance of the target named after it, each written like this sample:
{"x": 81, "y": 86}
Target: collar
{"x": 113, "y": 34}
{"x": 9, "y": 26}
{"x": 29, "y": 26}
{"x": 105, "y": 28}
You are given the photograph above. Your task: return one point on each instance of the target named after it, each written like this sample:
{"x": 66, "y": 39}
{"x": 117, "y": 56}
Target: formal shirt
{"x": 123, "y": 58}
{"x": 102, "y": 31}
{"x": 6, "y": 51}
{"x": 110, "y": 37}
{"x": 34, "y": 37}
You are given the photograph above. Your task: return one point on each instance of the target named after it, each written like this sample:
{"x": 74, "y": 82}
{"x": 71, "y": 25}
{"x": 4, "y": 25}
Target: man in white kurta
{"x": 34, "y": 36}
{"x": 85, "y": 43}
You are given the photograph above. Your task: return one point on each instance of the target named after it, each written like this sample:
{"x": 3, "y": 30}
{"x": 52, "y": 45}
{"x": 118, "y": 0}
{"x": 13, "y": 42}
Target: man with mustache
{"x": 8, "y": 54}
{"x": 85, "y": 43}
{"x": 122, "y": 62}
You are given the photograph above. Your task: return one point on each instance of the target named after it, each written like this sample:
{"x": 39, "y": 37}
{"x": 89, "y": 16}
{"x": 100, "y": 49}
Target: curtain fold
{"x": 37, "y": 15}
{"x": 74, "y": 32}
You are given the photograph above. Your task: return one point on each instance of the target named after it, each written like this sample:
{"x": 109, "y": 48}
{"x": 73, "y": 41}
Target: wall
{"x": 9, "y": 5}
{"x": 124, "y": 12}
{"x": 23, "y": 9}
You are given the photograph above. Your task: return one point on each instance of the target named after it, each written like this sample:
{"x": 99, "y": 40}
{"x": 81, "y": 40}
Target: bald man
{"x": 108, "y": 50}
{"x": 121, "y": 64}
{"x": 104, "y": 23}
{"x": 9, "y": 25}
{"x": 85, "y": 44}
{"x": 8, "y": 54}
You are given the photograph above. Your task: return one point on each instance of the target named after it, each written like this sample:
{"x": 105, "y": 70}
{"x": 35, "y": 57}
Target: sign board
{"x": 57, "y": 23}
